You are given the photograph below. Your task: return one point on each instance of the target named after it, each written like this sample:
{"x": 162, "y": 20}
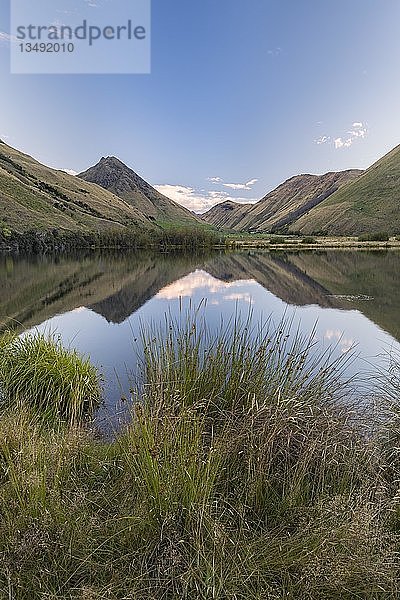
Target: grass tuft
{"x": 35, "y": 369}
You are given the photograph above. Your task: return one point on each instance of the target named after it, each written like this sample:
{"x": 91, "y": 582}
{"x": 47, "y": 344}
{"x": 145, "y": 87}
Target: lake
{"x": 99, "y": 303}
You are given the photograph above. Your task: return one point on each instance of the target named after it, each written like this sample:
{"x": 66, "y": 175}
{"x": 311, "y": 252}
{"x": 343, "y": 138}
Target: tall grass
{"x": 247, "y": 472}
{"x": 35, "y": 369}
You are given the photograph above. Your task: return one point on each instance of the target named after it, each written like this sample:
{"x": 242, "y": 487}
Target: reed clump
{"x": 247, "y": 472}
{"x": 35, "y": 369}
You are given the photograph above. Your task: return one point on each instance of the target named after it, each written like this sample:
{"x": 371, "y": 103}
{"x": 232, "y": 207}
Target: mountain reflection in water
{"x": 99, "y": 302}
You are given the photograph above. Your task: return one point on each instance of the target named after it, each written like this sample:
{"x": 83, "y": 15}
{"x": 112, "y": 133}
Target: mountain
{"x": 369, "y": 204}
{"x": 113, "y": 175}
{"x": 281, "y": 207}
{"x": 36, "y": 197}
{"x": 227, "y": 215}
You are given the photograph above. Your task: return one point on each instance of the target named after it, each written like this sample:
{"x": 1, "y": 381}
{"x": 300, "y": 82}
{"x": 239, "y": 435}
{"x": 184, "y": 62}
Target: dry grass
{"x": 244, "y": 474}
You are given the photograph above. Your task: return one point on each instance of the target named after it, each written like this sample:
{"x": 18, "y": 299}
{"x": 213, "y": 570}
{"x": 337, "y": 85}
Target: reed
{"x": 247, "y": 472}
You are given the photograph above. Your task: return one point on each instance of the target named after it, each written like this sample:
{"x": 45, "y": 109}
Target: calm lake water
{"x": 98, "y": 304}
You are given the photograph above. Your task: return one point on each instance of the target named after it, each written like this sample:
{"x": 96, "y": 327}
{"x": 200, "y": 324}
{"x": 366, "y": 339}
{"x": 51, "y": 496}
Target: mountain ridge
{"x": 369, "y": 204}
{"x": 281, "y": 206}
{"x": 36, "y": 197}
{"x": 42, "y": 207}
{"x": 115, "y": 176}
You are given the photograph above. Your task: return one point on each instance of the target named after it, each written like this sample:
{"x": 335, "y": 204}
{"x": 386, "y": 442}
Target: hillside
{"x": 113, "y": 175}
{"x": 369, "y": 204}
{"x": 36, "y": 197}
{"x": 227, "y": 215}
{"x": 281, "y": 207}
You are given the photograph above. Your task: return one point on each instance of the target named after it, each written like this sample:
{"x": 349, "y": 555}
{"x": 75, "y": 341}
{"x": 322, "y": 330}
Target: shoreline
{"x": 324, "y": 243}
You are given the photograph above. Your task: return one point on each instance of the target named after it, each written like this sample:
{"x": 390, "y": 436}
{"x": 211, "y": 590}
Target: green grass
{"x": 368, "y": 204}
{"x": 246, "y": 473}
{"x": 35, "y": 369}
{"x": 43, "y": 208}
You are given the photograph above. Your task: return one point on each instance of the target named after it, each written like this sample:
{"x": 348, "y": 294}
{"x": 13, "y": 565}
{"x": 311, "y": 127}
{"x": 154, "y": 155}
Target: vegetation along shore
{"x": 111, "y": 206}
{"x": 248, "y": 470}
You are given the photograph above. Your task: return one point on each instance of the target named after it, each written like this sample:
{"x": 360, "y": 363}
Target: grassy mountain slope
{"x": 113, "y": 175}
{"x": 369, "y": 204}
{"x": 35, "y": 197}
{"x": 282, "y": 206}
{"x": 227, "y": 215}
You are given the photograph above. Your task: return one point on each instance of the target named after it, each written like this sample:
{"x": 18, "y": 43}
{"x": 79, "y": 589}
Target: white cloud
{"x": 340, "y": 143}
{"x": 233, "y": 186}
{"x": 274, "y": 51}
{"x": 241, "y": 186}
{"x": 359, "y": 131}
{"x": 324, "y": 139}
{"x": 6, "y": 38}
{"x": 196, "y": 200}
{"x": 70, "y": 171}
{"x": 236, "y": 186}
{"x": 218, "y": 194}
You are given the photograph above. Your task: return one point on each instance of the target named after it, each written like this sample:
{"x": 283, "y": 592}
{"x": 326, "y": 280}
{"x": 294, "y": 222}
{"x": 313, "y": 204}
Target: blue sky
{"x": 239, "y": 91}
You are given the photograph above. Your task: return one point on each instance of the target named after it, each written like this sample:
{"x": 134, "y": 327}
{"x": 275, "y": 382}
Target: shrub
{"x": 277, "y": 240}
{"x": 373, "y": 237}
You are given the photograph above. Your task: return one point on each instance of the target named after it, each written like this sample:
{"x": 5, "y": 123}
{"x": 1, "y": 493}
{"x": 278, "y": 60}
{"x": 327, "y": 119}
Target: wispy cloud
{"x": 252, "y": 182}
{"x": 234, "y": 186}
{"x": 274, "y": 51}
{"x": 358, "y": 131}
{"x": 341, "y": 143}
{"x": 199, "y": 201}
{"x": 324, "y": 139}
{"x": 7, "y": 38}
